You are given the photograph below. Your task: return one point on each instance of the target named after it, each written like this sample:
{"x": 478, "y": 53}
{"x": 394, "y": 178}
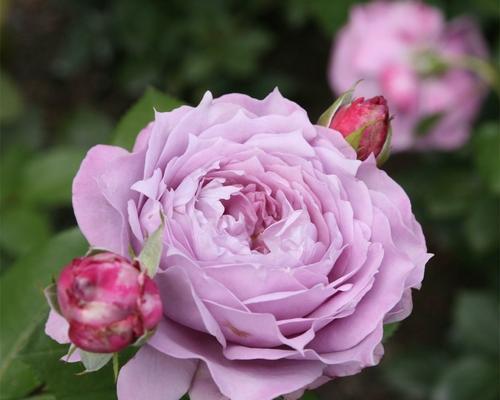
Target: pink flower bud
{"x": 108, "y": 302}
{"x": 371, "y": 116}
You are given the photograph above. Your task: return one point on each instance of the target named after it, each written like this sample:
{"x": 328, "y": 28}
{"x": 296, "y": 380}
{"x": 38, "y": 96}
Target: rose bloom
{"x": 407, "y": 52}
{"x": 283, "y": 258}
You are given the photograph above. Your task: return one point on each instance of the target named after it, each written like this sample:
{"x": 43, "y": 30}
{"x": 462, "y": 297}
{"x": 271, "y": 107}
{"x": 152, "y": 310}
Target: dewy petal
{"x": 153, "y": 375}
{"x": 238, "y": 380}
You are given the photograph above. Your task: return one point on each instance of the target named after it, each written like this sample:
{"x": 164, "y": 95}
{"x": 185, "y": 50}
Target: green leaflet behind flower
{"x": 345, "y": 98}
{"x": 151, "y": 252}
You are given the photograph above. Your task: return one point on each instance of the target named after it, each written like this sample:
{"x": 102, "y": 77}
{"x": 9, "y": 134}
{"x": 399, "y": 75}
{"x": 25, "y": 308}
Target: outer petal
{"x": 204, "y": 387}
{"x": 153, "y": 375}
{"x": 238, "y": 380}
{"x": 57, "y": 328}
{"x": 101, "y": 191}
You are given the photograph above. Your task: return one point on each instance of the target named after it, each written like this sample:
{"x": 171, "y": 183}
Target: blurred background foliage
{"x": 69, "y": 69}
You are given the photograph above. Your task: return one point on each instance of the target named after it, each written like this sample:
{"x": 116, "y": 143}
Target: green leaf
{"x": 469, "y": 378}
{"x": 345, "y": 98}
{"x": 22, "y": 229}
{"x": 480, "y": 228}
{"x": 48, "y": 177}
{"x": 61, "y": 379}
{"x": 151, "y": 252}
{"x": 413, "y": 372}
{"x": 22, "y": 305}
{"x": 140, "y": 114}
{"x": 486, "y": 144}
{"x": 12, "y": 162}
{"x": 12, "y": 102}
{"x": 94, "y": 361}
{"x": 475, "y": 326}
{"x": 86, "y": 127}
{"x": 21, "y": 381}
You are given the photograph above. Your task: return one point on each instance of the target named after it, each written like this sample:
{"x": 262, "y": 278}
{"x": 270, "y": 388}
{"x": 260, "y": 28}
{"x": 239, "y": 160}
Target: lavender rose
{"x": 283, "y": 257}
{"x": 406, "y": 51}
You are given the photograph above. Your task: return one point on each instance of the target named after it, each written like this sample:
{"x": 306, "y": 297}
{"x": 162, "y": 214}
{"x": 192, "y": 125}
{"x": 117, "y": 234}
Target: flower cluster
{"x": 283, "y": 254}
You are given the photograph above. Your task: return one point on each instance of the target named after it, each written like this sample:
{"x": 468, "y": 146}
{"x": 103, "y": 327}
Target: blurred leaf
{"x": 47, "y": 178}
{"x": 476, "y": 318}
{"x": 27, "y": 132}
{"x": 330, "y": 15}
{"x": 86, "y": 127}
{"x": 481, "y": 225}
{"x": 140, "y": 114}
{"x": 61, "y": 378}
{"x": 12, "y": 162}
{"x": 390, "y": 330}
{"x": 11, "y": 102}
{"x": 22, "y": 305}
{"x": 470, "y": 378}
{"x": 22, "y": 229}
{"x": 449, "y": 191}
{"x": 22, "y": 381}
{"x": 413, "y": 373}
{"x": 487, "y": 154}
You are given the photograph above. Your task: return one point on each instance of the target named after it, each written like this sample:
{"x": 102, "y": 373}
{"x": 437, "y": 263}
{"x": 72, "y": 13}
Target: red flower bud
{"x": 371, "y": 116}
{"x": 108, "y": 302}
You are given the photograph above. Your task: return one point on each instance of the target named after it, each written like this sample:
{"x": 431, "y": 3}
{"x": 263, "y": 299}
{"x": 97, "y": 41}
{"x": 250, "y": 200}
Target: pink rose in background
{"x": 283, "y": 257}
{"x": 407, "y": 52}
{"x": 107, "y": 302}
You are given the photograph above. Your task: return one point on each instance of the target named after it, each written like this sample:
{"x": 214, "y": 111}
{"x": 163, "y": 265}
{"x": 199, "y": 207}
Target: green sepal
{"x": 386, "y": 149}
{"x": 71, "y": 350}
{"x": 150, "y": 255}
{"x": 116, "y": 366}
{"x": 355, "y": 137}
{"x": 94, "y": 361}
{"x": 143, "y": 339}
{"x": 50, "y": 293}
{"x": 92, "y": 251}
{"x": 345, "y": 98}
